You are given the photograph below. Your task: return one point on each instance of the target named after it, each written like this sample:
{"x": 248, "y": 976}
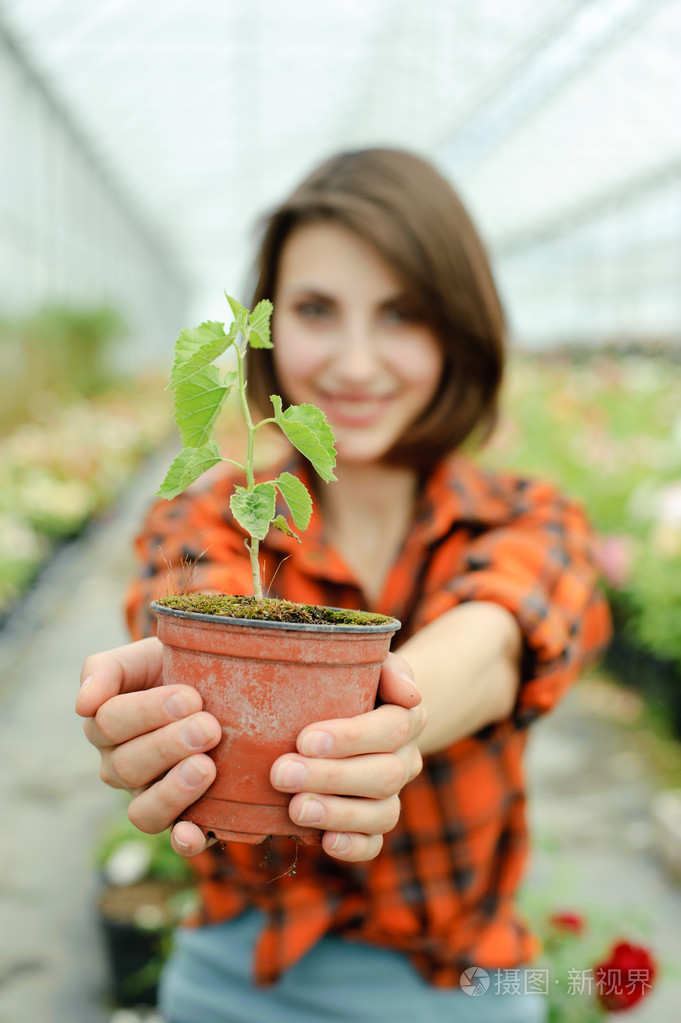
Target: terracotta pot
{"x": 264, "y": 681}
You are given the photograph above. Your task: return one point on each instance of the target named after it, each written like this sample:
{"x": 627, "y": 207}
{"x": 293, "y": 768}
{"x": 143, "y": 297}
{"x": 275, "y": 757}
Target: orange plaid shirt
{"x": 442, "y": 889}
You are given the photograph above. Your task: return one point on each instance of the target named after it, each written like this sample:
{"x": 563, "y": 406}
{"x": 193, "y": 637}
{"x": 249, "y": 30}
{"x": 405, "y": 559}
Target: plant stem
{"x": 250, "y": 477}
{"x": 255, "y": 567}
{"x": 254, "y": 544}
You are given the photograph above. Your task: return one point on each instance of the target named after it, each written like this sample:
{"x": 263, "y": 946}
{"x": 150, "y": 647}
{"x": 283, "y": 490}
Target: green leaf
{"x": 254, "y": 510}
{"x": 197, "y": 347}
{"x": 259, "y": 333}
{"x": 240, "y": 313}
{"x": 307, "y": 429}
{"x": 198, "y": 401}
{"x": 282, "y": 525}
{"x": 297, "y": 498}
{"x": 187, "y": 467}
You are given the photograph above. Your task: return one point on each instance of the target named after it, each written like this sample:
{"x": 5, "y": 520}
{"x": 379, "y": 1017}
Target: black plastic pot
{"x": 135, "y": 957}
{"x": 137, "y": 922}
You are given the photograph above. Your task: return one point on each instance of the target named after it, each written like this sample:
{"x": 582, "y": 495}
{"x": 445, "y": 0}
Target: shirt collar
{"x": 456, "y": 491}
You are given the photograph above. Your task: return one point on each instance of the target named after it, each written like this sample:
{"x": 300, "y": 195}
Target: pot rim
{"x": 390, "y": 626}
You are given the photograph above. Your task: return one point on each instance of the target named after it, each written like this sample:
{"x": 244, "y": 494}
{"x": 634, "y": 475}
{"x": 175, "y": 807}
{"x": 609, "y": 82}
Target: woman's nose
{"x": 357, "y": 353}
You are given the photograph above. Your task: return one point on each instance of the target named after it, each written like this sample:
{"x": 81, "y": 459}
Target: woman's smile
{"x": 353, "y": 409}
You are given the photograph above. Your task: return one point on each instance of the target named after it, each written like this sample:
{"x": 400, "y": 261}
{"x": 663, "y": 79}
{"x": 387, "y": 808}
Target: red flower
{"x": 572, "y": 922}
{"x": 625, "y": 977}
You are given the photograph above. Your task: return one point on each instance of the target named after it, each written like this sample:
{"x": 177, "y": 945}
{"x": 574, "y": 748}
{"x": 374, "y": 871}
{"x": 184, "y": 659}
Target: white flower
{"x": 668, "y": 504}
{"x": 128, "y": 863}
{"x": 18, "y": 541}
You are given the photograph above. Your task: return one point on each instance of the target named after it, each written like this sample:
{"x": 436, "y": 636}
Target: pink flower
{"x": 614, "y": 555}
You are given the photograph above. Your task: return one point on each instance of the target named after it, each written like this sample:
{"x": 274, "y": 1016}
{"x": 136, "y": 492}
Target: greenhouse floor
{"x": 590, "y": 809}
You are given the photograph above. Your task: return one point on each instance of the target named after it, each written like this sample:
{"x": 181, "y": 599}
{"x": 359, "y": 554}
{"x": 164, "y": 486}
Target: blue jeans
{"x": 208, "y": 980}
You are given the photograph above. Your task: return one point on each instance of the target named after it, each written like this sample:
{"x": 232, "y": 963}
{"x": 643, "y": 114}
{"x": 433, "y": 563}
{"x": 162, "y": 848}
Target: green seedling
{"x": 200, "y": 391}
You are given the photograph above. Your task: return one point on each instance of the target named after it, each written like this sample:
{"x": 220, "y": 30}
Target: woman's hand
{"x": 350, "y": 772}
{"x": 152, "y": 738}
{"x": 153, "y": 741}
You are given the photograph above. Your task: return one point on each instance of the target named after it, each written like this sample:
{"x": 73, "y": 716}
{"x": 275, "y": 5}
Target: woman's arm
{"x": 506, "y": 635}
{"x": 467, "y": 665}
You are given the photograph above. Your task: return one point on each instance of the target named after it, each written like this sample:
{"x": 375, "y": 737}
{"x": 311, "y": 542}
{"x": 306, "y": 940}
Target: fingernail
{"x": 407, "y": 678}
{"x": 182, "y": 846}
{"x": 341, "y": 842}
{"x": 317, "y": 744}
{"x": 178, "y": 706}
{"x": 291, "y": 775}
{"x": 192, "y": 773}
{"x": 312, "y": 812}
{"x": 196, "y": 733}
{"x": 86, "y": 682}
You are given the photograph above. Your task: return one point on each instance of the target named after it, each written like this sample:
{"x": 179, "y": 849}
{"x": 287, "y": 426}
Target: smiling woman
{"x": 387, "y": 317}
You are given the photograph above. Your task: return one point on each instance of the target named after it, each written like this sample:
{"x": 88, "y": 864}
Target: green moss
{"x": 270, "y": 609}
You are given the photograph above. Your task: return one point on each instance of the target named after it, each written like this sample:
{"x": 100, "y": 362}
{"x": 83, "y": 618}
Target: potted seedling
{"x": 264, "y": 667}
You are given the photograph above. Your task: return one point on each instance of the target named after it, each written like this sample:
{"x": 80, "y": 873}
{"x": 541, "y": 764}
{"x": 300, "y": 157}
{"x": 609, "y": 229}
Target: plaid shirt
{"x": 442, "y": 889}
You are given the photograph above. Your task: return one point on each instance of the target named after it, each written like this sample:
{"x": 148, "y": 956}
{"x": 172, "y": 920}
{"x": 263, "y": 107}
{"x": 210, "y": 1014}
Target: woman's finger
{"x": 373, "y": 775}
{"x": 383, "y": 730}
{"x": 397, "y": 683}
{"x": 157, "y": 807}
{"x": 140, "y": 761}
{"x": 188, "y": 839}
{"x": 351, "y": 848}
{"x": 125, "y": 669}
{"x": 334, "y": 813}
{"x": 125, "y": 717}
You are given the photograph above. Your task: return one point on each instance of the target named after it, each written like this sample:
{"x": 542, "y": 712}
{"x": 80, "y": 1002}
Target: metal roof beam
{"x": 589, "y": 211}
{"x": 558, "y": 58}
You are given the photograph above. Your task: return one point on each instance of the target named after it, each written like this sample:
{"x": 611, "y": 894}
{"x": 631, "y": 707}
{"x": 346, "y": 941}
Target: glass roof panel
{"x": 206, "y": 111}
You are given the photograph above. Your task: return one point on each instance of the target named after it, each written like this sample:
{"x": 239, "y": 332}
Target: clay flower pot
{"x": 264, "y": 681}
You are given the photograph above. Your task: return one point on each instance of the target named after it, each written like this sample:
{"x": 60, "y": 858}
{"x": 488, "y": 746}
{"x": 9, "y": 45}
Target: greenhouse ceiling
{"x": 204, "y": 112}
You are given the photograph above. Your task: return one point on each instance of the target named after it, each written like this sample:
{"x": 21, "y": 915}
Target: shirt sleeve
{"x": 539, "y": 564}
{"x": 186, "y": 545}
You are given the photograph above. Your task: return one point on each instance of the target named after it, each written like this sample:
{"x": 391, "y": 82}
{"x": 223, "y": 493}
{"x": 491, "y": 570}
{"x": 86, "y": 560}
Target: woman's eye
{"x": 401, "y": 314}
{"x": 313, "y": 310}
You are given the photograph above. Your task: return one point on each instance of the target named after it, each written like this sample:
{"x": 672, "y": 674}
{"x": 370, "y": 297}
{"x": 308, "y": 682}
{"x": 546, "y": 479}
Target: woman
{"x": 386, "y": 316}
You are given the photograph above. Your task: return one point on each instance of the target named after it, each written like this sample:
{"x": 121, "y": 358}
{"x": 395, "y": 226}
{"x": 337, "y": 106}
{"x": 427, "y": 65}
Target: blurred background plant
{"x": 606, "y": 428}
{"x": 73, "y": 428}
{"x": 55, "y": 353}
{"x": 590, "y": 970}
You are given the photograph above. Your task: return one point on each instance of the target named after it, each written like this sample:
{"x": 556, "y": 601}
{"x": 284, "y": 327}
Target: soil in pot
{"x": 227, "y": 605}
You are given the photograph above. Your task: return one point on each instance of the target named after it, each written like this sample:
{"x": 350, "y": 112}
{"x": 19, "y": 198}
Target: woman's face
{"x": 349, "y": 339}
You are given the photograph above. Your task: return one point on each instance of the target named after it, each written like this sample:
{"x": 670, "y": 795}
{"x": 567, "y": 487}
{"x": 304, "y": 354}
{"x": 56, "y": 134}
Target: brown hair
{"x": 397, "y": 202}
